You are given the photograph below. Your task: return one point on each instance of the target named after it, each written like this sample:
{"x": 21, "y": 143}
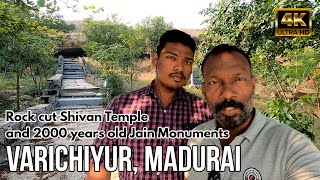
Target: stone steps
{"x": 75, "y": 91}
{"x": 73, "y": 68}
{"x": 80, "y": 107}
{"x": 73, "y": 72}
{"x": 85, "y": 101}
{"x": 80, "y": 94}
{"x": 80, "y": 90}
{"x": 73, "y": 77}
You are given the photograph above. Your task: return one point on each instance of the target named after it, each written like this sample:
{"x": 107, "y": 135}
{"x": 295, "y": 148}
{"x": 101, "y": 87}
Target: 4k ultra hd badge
{"x": 293, "y": 22}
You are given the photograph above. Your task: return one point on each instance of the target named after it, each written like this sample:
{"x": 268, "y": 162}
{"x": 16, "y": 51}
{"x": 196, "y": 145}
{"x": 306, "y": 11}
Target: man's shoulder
{"x": 132, "y": 95}
{"x": 193, "y": 97}
{"x": 275, "y": 126}
{"x": 281, "y": 131}
{"x": 126, "y": 98}
{"x": 209, "y": 125}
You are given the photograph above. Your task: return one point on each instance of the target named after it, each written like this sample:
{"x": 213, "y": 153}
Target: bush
{"x": 293, "y": 114}
{"x": 114, "y": 84}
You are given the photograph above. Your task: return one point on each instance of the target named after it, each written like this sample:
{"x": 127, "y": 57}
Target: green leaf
{"x": 41, "y": 3}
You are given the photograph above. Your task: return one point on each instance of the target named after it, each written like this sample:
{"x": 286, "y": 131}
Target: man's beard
{"x": 233, "y": 121}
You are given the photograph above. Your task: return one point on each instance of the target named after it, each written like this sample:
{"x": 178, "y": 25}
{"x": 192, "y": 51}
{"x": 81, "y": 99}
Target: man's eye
{"x": 214, "y": 82}
{"x": 171, "y": 57}
{"x": 189, "y": 62}
{"x": 240, "y": 79}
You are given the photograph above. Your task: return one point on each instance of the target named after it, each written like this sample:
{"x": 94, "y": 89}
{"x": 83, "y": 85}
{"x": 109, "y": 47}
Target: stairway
{"x": 75, "y": 91}
{"x": 73, "y": 69}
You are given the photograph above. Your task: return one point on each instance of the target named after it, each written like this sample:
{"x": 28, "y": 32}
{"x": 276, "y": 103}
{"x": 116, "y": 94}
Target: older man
{"x": 269, "y": 150}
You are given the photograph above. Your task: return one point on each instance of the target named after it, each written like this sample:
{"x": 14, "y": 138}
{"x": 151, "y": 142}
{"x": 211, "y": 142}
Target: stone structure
{"x": 67, "y": 89}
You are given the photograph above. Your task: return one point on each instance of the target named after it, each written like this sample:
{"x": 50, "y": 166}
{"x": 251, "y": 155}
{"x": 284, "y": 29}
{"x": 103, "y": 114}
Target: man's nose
{"x": 228, "y": 91}
{"x": 179, "y": 66}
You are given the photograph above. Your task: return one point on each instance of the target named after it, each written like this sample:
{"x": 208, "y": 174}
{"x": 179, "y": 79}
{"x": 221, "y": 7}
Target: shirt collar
{"x": 255, "y": 127}
{"x": 150, "y": 91}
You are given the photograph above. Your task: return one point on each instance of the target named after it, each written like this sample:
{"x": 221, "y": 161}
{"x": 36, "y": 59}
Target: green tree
{"x": 106, "y": 32}
{"x": 23, "y": 40}
{"x": 150, "y": 29}
{"x": 118, "y": 46}
{"x": 114, "y": 44}
{"x": 250, "y": 26}
{"x": 56, "y": 22}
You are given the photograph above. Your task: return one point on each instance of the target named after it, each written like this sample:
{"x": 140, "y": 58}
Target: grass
{"x": 144, "y": 79}
{"x": 8, "y": 93}
{"x": 94, "y": 67}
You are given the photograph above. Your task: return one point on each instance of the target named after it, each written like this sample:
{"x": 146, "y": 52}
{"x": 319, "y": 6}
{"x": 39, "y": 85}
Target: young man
{"x": 165, "y": 102}
{"x": 269, "y": 150}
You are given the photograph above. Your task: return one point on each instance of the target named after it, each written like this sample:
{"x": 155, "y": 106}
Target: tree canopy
{"x": 117, "y": 46}
{"x": 26, "y": 40}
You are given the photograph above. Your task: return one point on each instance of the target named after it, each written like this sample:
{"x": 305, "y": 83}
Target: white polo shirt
{"x": 269, "y": 151}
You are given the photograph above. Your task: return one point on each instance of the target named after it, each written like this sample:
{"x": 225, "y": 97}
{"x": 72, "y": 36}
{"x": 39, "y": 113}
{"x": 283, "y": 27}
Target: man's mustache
{"x": 178, "y": 74}
{"x": 229, "y": 103}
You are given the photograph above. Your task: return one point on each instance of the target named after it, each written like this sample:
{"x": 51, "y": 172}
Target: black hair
{"x": 178, "y": 36}
{"x": 224, "y": 48}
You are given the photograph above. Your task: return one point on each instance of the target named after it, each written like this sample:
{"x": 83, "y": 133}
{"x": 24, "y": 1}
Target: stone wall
{"x": 21, "y": 125}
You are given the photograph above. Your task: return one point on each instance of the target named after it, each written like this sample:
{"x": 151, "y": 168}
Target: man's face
{"x": 228, "y": 88}
{"x": 173, "y": 65}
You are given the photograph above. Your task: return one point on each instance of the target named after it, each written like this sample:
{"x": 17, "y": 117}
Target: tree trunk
{"x": 132, "y": 72}
{"x": 277, "y": 80}
{"x": 40, "y": 85}
{"x": 18, "y": 91}
{"x": 34, "y": 77}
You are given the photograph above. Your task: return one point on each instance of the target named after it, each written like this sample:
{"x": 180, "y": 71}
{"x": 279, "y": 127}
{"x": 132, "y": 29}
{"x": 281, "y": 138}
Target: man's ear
{"x": 253, "y": 81}
{"x": 154, "y": 60}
